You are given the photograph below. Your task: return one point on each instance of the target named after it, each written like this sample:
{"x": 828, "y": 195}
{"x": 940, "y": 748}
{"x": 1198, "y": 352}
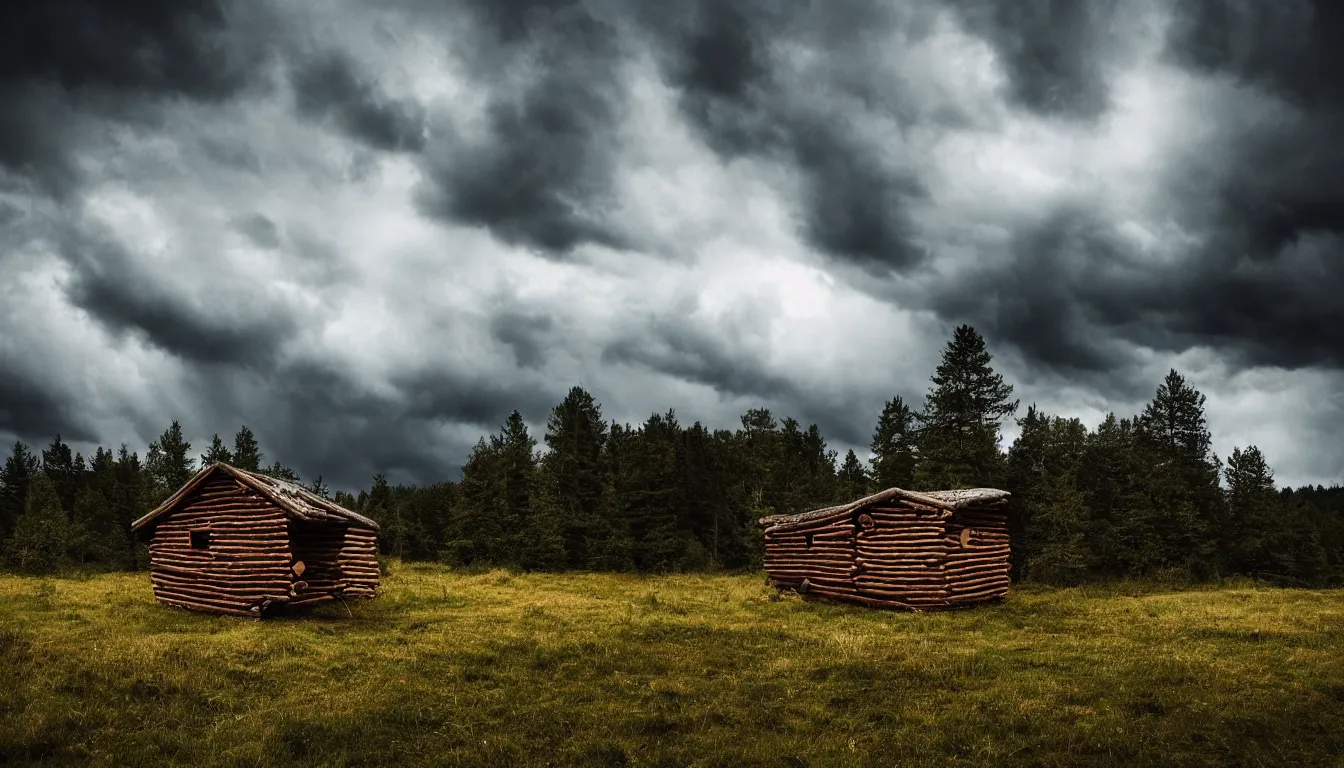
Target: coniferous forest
{"x": 1139, "y": 495}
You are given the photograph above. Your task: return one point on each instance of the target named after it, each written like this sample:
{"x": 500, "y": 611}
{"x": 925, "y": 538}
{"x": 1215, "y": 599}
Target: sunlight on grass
{"x": 499, "y": 668}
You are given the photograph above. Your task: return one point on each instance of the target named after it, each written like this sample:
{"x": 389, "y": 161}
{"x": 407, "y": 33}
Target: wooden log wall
{"x": 247, "y": 561}
{"x": 898, "y": 554}
{"x": 820, "y": 552}
{"x": 901, "y": 555}
{"x": 977, "y": 556}
{"x": 337, "y": 559}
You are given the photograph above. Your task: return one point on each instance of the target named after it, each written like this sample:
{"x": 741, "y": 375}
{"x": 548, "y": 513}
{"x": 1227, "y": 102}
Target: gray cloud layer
{"x": 370, "y": 233}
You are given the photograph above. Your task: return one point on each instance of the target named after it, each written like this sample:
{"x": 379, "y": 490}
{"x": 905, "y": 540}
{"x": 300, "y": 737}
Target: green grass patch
{"x": 500, "y": 668}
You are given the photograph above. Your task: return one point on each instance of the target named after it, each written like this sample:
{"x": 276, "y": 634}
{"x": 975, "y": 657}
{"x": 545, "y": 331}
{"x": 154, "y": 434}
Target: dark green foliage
{"x": 58, "y": 462}
{"x": 1182, "y": 518}
{"x": 216, "y": 452}
{"x": 21, "y": 467}
{"x": 281, "y": 472}
{"x": 42, "y": 535}
{"x": 958, "y": 438}
{"x": 853, "y": 480}
{"x": 246, "y": 452}
{"x": 168, "y": 463}
{"x": 576, "y": 436}
{"x": 893, "y": 446}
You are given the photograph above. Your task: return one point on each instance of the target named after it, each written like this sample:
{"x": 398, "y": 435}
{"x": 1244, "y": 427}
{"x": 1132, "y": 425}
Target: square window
{"x": 200, "y": 539}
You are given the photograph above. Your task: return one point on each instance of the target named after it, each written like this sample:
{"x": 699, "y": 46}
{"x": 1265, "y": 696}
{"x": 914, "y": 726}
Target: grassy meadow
{"x": 503, "y": 669}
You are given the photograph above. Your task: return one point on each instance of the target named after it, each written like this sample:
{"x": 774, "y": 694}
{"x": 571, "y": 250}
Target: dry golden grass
{"x": 503, "y": 669}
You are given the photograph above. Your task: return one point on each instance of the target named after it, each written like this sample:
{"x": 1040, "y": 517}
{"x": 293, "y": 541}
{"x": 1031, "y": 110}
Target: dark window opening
{"x": 809, "y": 541}
{"x": 200, "y": 539}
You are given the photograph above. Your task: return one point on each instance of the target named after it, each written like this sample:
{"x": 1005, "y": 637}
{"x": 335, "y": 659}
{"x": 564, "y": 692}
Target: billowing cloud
{"x": 370, "y": 232}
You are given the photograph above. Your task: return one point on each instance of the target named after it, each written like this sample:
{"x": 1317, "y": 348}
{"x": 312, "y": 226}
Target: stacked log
{"x": 814, "y": 559}
{"x": 902, "y": 555}
{"x": 338, "y": 559}
{"x": 895, "y": 549}
{"x": 978, "y": 554}
{"x": 247, "y": 559}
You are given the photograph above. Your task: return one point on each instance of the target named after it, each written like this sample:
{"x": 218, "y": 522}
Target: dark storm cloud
{"x": 215, "y": 325}
{"x": 1264, "y": 285}
{"x": 724, "y": 60}
{"x": 231, "y": 153}
{"x": 28, "y": 407}
{"x": 528, "y": 336}
{"x": 330, "y": 87}
{"x": 101, "y": 57}
{"x": 1035, "y": 296}
{"x": 259, "y": 229}
{"x": 542, "y": 176}
{"x": 690, "y": 353}
{"x": 1052, "y": 50}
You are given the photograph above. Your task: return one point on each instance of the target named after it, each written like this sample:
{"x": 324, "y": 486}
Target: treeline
{"x": 1136, "y": 496}
{"x": 59, "y": 509}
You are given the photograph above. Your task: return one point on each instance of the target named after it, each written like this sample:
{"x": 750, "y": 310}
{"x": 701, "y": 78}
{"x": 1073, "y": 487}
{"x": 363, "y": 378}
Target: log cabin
{"x": 238, "y": 542}
{"x": 895, "y": 549}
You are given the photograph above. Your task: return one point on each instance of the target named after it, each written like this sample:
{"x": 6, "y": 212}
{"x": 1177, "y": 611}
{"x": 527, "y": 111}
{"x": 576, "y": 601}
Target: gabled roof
{"x": 949, "y": 501}
{"x": 297, "y": 502}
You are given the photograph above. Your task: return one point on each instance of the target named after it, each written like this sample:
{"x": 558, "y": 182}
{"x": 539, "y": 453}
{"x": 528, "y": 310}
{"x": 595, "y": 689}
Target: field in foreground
{"x": 502, "y": 669}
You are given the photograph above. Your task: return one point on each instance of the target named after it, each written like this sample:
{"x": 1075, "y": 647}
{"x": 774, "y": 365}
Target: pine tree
{"x": 958, "y": 437}
{"x": 1182, "y": 479}
{"x": 320, "y": 488}
{"x": 246, "y": 453}
{"x": 42, "y": 534}
{"x": 172, "y": 465}
{"x": 475, "y": 533}
{"x": 543, "y": 548}
{"x": 1064, "y": 522}
{"x": 377, "y": 504}
{"x": 21, "y": 467}
{"x": 893, "y": 446}
{"x": 517, "y": 456}
{"x": 575, "y": 435}
{"x": 281, "y": 472}
{"x": 854, "y": 480}
{"x": 216, "y": 453}
{"x": 129, "y": 499}
{"x": 1255, "y": 514}
{"x": 1109, "y": 477}
{"x": 58, "y": 462}
{"x": 653, "y": 496}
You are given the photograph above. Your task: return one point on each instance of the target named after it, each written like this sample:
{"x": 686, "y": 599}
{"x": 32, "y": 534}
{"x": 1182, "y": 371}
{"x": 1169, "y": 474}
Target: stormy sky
{"x": 371, "y": 233}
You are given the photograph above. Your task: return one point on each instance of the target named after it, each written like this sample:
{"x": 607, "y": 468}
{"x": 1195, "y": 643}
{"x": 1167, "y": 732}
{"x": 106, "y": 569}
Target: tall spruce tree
{"x": 216, "y": 452}
{"x": 172, "y": 466}
{"x": 854, "y": 481}
{"x": 21, "y": 467}
{"x": 517, "y": 451}
{"x": 575, "y": 435}
{"x": 1185, "y": 499}
{"x": 652, "y": 496}
{"x": 893, "y": 446}
{"x": 246, "y": 453}
{"x": 43, "y": 534}
{"x": 958, "y": 437}
{"x": 475, "y": 530}
{"x": 1255, "y": 517}
{"x": 1110, "y": 478}
{"x": 58, "y": 462}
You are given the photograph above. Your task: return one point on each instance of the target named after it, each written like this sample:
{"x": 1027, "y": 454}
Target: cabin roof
{"x": 949, "y": 501}
{"x": 297, "y": 502}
